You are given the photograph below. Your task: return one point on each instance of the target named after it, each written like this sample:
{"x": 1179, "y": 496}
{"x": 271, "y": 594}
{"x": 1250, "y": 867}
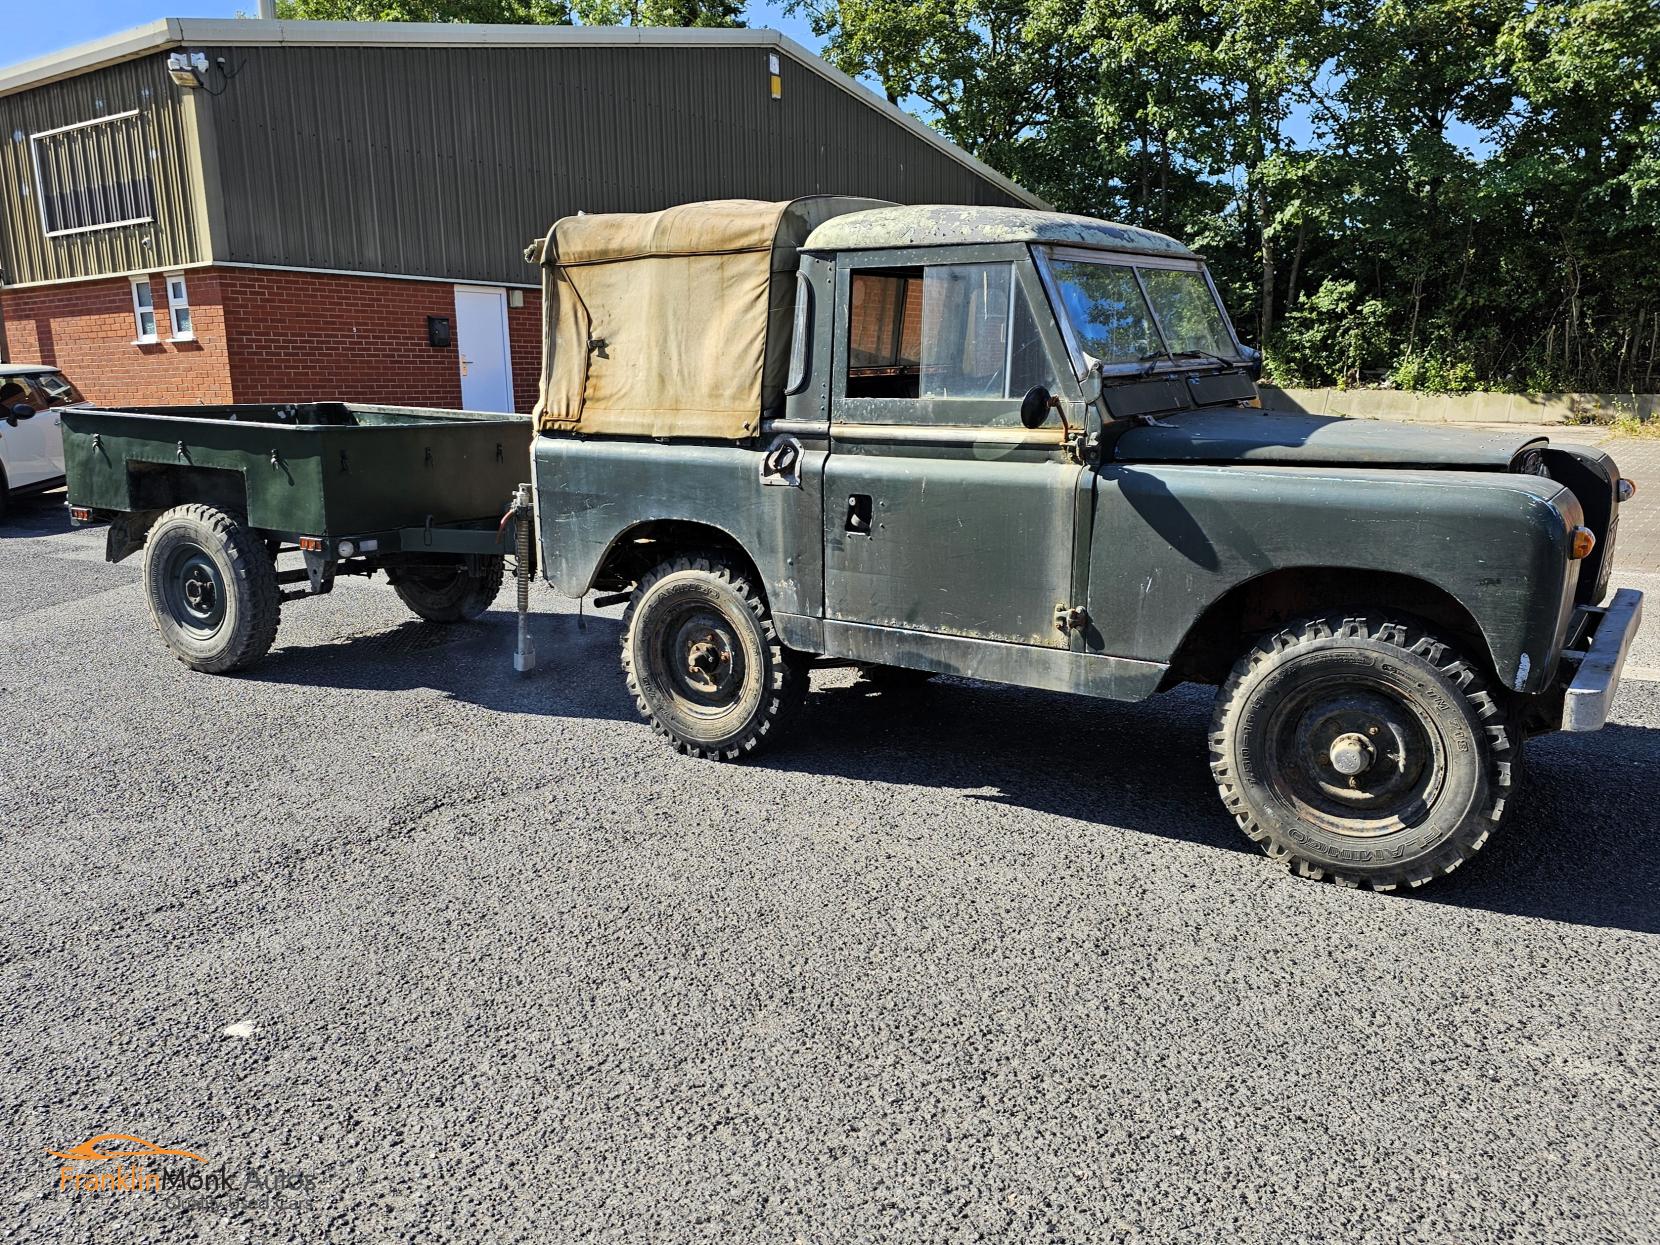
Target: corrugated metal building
{"x": 250, "y": 210}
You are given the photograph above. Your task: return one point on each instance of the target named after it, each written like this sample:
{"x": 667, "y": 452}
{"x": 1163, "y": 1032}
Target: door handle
{"x": 858, "y": 514}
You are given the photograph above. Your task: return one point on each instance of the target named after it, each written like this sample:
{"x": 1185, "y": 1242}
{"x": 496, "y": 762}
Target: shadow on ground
{"x": 35, "y": 514}
{"x": 1576, "y": 849}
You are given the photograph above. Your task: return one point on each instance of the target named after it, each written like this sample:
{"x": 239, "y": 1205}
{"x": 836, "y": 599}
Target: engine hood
{"x": 1247, "y": 435}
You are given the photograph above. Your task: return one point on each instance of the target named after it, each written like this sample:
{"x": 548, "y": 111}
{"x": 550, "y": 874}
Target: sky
{"x": 32, "y": 28}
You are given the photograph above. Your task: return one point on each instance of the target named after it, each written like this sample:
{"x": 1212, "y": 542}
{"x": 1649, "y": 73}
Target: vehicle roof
{"x": 892, "y": 228}
{"x": 26, "y": 369}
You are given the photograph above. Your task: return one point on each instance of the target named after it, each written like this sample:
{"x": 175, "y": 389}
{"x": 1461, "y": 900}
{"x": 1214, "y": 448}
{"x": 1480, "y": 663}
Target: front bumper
{"x": 1591, "y": 692}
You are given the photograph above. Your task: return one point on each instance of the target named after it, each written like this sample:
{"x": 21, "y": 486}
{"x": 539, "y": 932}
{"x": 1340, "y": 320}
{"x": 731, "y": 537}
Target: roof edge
{"x": 252, "y": 32}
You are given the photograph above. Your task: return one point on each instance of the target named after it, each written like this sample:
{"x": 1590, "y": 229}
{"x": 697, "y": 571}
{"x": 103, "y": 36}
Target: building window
{"x": 144, "y": 309}
{"x": 178, "y": 308}
{"x": 93, "y": 175}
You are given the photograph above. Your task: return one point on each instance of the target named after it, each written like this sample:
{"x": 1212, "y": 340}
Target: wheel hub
{"x": 195, "y": 594}
{"x": 707, "y": 661}
{"x": 1354, "y": 758}
{"x": 1352, "y": 754}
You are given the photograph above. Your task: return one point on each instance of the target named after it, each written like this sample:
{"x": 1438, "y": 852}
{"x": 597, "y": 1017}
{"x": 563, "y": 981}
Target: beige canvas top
{"x": 673, "y": 323}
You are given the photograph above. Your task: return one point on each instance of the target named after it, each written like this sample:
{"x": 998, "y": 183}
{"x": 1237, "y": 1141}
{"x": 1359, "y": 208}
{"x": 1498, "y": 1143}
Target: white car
{"x": 31, "y": 436}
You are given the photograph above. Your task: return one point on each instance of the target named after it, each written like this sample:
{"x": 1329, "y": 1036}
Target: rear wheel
{"x": 448, "y": 594}
{"x": 1363, "y": 748}
{"x": 704, "y": 661}
{"x": 212, "y": 589}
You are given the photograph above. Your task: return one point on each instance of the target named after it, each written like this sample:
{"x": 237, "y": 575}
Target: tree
{"x": 534, "y": 12}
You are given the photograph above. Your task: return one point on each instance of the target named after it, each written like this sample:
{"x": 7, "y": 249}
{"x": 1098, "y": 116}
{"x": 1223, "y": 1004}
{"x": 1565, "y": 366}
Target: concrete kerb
{"x": 1466, "y": 408}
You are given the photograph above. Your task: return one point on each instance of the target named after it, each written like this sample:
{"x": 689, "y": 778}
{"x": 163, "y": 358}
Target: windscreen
{"x": 1108, "y": 308}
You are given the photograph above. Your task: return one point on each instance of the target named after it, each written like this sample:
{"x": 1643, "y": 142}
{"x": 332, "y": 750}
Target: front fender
{"x": 1169, "y": 540}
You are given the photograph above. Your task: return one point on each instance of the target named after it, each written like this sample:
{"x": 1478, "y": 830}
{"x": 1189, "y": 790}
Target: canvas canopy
{"x": 673, "y": 323}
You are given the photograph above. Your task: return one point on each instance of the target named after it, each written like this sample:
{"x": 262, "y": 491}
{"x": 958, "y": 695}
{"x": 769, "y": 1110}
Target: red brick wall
{"x": 87, "y": 329}
{"x": 524, "y": 339}
{"x": 297, "y": 337}
{"x": 262, "y": 336}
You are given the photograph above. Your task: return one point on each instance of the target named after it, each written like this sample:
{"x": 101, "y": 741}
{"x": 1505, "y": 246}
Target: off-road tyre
{"x": 894, "y": 678}
{"x": 1441, "y": 751}
{"x": 449, "y": 596}
{"x": 704, "y": 662}
{"x": 211, "y": 588}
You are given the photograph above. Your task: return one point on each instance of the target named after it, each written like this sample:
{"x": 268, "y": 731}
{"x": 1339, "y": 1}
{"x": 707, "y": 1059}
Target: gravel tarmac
{"x": 449, "y": 954}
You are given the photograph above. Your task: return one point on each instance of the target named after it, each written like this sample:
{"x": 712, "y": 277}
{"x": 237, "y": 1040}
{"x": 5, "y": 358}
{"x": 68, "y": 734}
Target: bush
{"x": 1328, "y": 338}
{"x": 1433, "y": 372}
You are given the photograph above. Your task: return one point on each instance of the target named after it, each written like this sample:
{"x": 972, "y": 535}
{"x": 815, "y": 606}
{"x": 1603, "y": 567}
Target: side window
{"x": 945, "y": 331}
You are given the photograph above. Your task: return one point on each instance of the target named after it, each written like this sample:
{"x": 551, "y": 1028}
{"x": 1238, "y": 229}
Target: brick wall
{"x": 262, "y": 336}
{"x": 88, "y": 330}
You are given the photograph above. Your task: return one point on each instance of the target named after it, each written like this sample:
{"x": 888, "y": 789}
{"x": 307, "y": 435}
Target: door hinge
{"x": 1070, "y": 618}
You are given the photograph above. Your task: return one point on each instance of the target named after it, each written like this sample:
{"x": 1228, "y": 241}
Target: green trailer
{"x": 213, "y": 496}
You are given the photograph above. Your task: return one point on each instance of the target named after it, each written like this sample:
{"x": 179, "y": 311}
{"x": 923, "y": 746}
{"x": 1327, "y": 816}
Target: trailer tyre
{"x": 1362, "y": 747}
{"x": 704, "y": 661}
{"x": 212, "y": 589}
{"x": 450, "y": 596}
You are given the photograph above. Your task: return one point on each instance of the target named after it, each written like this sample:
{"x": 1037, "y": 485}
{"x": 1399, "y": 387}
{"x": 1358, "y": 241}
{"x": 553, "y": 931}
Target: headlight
{"x": 1625, "y": 490}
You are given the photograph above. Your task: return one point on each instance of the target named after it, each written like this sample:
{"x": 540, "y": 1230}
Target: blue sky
{"x": 35, "y": 27}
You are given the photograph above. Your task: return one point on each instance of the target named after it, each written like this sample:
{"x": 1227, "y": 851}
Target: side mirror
{"x": 22, "y": 411}
{"x": 1034, "y": 407}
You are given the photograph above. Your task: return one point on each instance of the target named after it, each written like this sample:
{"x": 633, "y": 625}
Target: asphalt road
{"x": 969, "y": 963}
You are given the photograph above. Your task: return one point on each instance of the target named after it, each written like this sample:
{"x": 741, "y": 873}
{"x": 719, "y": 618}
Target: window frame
{"x": 140, "y": 311}
{"x": 40, "y": 179}
{"x": 985, "y": 415}
{"x": 173, "y": 307}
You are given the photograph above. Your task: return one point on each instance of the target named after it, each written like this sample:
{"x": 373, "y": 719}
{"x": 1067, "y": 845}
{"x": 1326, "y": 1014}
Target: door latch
{"x": 1070, "y": 618}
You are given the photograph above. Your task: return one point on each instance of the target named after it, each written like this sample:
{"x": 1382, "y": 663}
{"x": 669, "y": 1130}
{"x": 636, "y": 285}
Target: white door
{"x": 31, "y": 448}
{"x": 481, "y": 340}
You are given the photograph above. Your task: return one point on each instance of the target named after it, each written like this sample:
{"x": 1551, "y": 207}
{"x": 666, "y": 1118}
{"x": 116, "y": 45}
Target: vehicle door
{"x": 25, "y": 443}
{"x": 942, "y": 513}
{"x": 57, "y": 393}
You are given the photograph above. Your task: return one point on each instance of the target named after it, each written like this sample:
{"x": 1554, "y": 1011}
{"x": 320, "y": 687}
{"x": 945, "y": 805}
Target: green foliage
{"x": 533, "y": 12}
{"x": 1332, "y": 337}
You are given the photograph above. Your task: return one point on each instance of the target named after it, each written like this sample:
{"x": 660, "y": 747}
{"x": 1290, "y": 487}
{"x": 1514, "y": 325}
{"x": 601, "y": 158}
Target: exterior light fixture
{"x": 187, "y": 68}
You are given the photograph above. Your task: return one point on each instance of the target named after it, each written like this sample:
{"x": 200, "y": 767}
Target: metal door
{"x": 942, "y": 514}
{"x": 482, "y": 342}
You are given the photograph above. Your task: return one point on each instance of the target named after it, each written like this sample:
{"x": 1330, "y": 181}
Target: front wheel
{"x": 449, "y": 594}
{"x": 704, "y": 661}
{"x": 1363, "y": 748}
{"x": 211, "y": 588}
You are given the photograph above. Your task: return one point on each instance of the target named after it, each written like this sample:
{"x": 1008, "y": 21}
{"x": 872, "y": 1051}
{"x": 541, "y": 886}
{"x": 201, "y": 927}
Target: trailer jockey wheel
{"x": 704, "y": 661}
{"x": 212, "y": 589}
{"x": 448, "y": 593}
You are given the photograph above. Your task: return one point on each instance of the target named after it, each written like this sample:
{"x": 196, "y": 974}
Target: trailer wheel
{"x": 1363, "y": 748}
{"x": 212, "y": 589}
{"x": 448, "y": 595}
{"x": 704, "y": 661}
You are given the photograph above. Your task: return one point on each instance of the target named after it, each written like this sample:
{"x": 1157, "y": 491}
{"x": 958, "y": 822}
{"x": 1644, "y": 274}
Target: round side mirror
{"x": 22, "y": 411}
{"x": 1034, "y": 407}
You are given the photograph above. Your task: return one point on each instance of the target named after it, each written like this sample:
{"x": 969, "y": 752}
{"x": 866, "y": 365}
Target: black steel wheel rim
{"x": 1355, "y": 755}
{"x": 194, "y": 591}
{"x": 701, "y": 659}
